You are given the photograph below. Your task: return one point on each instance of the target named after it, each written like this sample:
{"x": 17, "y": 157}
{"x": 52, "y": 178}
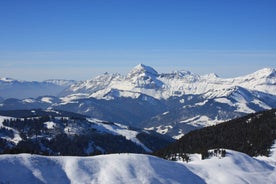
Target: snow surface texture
{"x": 105, "y": 169}
{"x": 136, "y": 169}
{"x": 236, "y": 167}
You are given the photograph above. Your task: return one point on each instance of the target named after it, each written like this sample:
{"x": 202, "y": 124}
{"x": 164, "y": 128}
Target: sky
{"x": 79, "y": 39}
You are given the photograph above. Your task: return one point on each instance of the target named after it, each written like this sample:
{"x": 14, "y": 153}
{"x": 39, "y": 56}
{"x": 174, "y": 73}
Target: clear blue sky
{"x": 78, "y": 39}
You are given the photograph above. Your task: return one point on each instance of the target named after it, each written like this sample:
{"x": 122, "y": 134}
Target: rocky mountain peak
{"x": 142, "y": 69}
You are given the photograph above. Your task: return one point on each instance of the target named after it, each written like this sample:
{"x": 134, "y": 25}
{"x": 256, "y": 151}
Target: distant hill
{"x": 12, "y": 88}
{"x": 65, "y": 133}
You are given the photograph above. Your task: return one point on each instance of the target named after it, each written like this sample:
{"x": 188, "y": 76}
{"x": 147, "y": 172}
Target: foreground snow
{"x": 133, "y": 168}
{"x": 105, "y": 169}
{"x": 234, "y": 168}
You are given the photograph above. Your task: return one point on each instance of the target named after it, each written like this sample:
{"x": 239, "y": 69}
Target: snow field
{"x": 104, "y": 169}
{"x": 236, "y": 167}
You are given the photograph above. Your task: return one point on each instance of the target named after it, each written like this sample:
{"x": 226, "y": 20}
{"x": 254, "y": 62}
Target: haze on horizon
{"x": 81, "y": 39}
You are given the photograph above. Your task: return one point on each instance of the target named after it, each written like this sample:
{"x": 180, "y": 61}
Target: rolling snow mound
{"x": 236, "y": 167}
{"x": 104, "y": 169}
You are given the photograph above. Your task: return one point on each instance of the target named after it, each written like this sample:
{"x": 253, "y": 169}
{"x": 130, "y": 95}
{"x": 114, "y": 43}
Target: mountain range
{"x": 169, "y": 103}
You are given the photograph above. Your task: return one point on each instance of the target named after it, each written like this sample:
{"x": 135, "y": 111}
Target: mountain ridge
{"x": 145, "y": 79}
{"x": 235, "y": 167}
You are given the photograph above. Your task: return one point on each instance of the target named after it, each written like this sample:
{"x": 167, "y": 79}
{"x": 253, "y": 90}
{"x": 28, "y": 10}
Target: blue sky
{"x": 78, "y": 39}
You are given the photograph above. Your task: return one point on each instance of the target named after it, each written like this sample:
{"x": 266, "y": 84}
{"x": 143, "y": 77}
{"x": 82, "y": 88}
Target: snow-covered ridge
{"x": 133, "y": 168}
{"x": 146, "y": 80}
{"x": 141, "y": 79}
{"x": 60, "y": 82}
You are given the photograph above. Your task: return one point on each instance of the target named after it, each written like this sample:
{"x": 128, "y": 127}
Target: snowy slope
{"x": 236, "y": 167}
{"x": 132, "y": 168}
{"x": 15, "y": 138}
{"x": 118, "y": 129}
{"x": 106, "y": 169}
{"x": 272, "y": 157}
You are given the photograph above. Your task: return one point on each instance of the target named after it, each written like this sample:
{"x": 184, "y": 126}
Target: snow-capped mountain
{"x": 11, "y": 88}
{"x": 140, "y": 80}
{"x": 169, "y": 103}
{"x": 189, "y": 100}
{"x": 145, "y": 80}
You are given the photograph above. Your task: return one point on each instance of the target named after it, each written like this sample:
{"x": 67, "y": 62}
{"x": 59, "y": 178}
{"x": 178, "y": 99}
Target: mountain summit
{"x": 142, "y": 69}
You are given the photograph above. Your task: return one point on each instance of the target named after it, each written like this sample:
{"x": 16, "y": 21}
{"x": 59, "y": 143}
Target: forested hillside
{"x": 253, "y": 134}
{"x": 64, "y": 133}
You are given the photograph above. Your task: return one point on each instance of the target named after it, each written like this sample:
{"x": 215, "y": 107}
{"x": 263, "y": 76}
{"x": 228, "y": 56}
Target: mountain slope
{"x": 235, "y": 167}
{"x": 106, "y": 169}
{"x": 253, "y": 134}
{"x": 175, "y": 116}
{"x": 132, "y": 168}
{"x": 198, "y": 111}
{"x": 64, "y": 133}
